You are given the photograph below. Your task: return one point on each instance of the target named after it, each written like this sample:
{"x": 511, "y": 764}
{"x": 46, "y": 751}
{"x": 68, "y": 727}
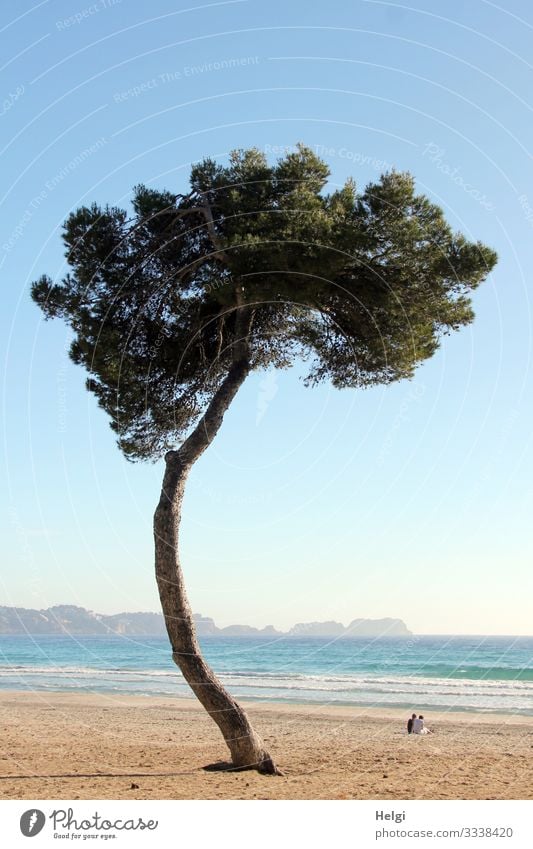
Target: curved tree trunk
{"x": 246, "y": 747}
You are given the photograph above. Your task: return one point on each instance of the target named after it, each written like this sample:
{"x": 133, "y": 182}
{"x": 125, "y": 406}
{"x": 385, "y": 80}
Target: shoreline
{"x": 309, "y": 707}
{"x": 100, "y": 698}
{"x": 94, "y": 746}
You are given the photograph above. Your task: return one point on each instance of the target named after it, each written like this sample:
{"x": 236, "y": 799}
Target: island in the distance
{"x": 70, "y": 619}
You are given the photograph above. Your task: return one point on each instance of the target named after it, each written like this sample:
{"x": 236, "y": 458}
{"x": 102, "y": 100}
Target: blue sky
{"x": 412, "y": 500}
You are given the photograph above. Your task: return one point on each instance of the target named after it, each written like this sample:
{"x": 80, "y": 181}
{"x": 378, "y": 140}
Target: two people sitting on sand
{"x": 415, "y": 725}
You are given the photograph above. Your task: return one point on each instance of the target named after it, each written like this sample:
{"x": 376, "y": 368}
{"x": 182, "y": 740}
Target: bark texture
{"x": 245, "y": 745}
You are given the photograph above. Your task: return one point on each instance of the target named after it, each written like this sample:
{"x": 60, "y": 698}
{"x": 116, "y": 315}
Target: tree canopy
{"x": 362, "y": 285}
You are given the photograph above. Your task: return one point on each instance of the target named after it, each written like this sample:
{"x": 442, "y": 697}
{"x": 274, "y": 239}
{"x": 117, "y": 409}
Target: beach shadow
{"x": 99, "y": 775}
{"x": 225, "y": 766}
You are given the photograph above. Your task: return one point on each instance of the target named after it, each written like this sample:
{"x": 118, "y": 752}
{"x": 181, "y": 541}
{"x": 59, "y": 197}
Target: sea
{"x": 481, "y": 674}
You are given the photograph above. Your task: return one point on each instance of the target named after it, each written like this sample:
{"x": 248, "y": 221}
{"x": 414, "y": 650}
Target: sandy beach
{"x": 77, "y": 746}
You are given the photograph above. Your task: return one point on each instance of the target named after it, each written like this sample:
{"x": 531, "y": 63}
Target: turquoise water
{"x": 463, "y": 673}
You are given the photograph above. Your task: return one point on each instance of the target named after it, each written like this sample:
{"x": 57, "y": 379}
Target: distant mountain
{"x": 378, "y": 628}
{"x": 70, "y": 619}
{"x": 317, "y": 629}
{"x": 356, "y": 628}
{"x": 248, "y": 631}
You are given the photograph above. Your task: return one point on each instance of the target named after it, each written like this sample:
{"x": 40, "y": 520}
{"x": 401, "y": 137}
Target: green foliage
{"x": 363, "y": 285}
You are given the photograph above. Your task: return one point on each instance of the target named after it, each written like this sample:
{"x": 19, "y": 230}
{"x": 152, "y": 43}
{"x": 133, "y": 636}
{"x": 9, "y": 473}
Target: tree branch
{"x": 208, "y": 426}
{"x": 207, "y": 213}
